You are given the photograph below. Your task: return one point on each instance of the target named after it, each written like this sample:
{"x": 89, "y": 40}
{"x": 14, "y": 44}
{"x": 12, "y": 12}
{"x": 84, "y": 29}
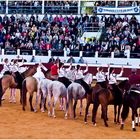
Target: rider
{"x": 134, "y": 78}
{"x": 101, "y": 77}
{"x": 79, "y": 77}
{"x": 54, "y": 70}
{"x": 6, "y": 67}
{"x": 62, "y": 74}
{"x": 113, "y": 83}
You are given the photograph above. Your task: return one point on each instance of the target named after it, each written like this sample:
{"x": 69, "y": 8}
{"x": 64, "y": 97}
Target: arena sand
{"x": 15, "y": 123}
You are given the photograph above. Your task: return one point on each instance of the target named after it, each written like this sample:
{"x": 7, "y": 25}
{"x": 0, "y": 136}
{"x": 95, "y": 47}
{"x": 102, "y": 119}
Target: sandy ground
{"x": 15, "y": 123}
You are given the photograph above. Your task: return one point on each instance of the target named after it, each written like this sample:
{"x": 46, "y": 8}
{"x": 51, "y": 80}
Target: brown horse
{"x": 104, "y": 97}
{"x": 29, "y": 85}
{"x": 7, "y": 81}
{"x": 17, "y": 78}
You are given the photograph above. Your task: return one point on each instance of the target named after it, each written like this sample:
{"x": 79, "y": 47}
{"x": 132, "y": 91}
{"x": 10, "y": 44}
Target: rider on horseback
{"x": 113, "y": 83}
{"x": 79, "y": 78}
{"x": 62, "y": 74}
{"x": 101, "y": 77}
{"x": 6, "y": 67}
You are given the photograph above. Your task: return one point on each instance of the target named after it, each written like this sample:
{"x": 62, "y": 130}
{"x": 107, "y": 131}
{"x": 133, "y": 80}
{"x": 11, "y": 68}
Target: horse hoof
{"x": 35, "y": 110}
{"x": 137, "y": 124}
{"x": 23, "y": 109}
{"x": 66, "y": 117}
{"x": 134, "y": 129}
{"x": 54, "y": 116}
{"x": 122, "y": 126}
{"x": 80, "y": 113}
{"x": 106, "y": 125}
{"x": 85, "y": 122}
{"x": 49, "y": 114}
{"x": 94, "y": 124}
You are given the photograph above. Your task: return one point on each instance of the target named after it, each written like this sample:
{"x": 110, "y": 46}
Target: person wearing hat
{"x": 101, "y": 77}
{"x": 134, "y": 78}
{"x": 62, "y": 74}
{"x": 79, "y": 77}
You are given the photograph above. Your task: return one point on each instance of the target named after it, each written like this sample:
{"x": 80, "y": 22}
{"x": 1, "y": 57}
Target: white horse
{"x": 76, "y": 91}
{"x": 53, "y": 89}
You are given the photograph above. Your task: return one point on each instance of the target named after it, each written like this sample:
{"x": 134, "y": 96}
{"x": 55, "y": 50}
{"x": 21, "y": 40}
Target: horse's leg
{"x": 94, "y": 112}
{"x": 86, "y": 111}
{"x": 43, "y": 100}
{"x": 74, "y": 108}
{"x": 21, "y": 96}
{"x": 36, "y": 103}
{"x": 53, "y": 108}
{"x": 71, "y": 108}
{"x": 49, "y": 105}
{"x": 30, "y": 101}
{"x": 119, "y": 110}
{"x": 1, "y": 98}
{"x": 66, "y": 113}
{"x": 104, "y": 110}
{"x": 133, "y": 119}
{"x": 115, "y": 113}
{"x": 136, "y": 119}
{"x": 139, "y": 117}
{"x": 81, "y": 106}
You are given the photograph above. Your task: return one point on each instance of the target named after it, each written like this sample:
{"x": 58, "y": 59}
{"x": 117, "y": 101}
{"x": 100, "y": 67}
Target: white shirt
{"x": 39, "y": 74}
{"x": 14, "y": 68}
{"x": 100, "y": 76}
{"x": 79, "y": 74}
{"x": 112, "y": 77}
{"x": 62, "y": 72}
{"x": 6, "y": 67}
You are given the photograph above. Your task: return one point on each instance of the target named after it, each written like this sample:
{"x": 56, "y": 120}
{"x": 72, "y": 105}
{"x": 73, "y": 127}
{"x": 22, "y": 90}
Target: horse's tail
{"x": 125, "y": 110}
{"x": 24, "y": 92}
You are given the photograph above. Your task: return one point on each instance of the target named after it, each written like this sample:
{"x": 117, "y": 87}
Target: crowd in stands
{"x": 62, "y": 33}
{"x": 56, "y": 33}
{"x": 35, "y": 6}
{"x": 120, "y": 3}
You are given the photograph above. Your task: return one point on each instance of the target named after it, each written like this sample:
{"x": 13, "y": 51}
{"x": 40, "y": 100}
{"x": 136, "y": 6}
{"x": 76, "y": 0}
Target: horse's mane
{"x": 26, "y": 71}
{"x": 124, "y": 84}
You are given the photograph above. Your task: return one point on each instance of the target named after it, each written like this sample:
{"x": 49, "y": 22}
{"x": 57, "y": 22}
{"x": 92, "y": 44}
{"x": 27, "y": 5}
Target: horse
{"x": 132, "y": 100}
{"x": 76, "y": 91}
{"x": 5, "y": 82}
{"x": 104, "y": 97}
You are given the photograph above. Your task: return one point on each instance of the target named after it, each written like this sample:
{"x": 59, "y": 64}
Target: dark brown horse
{"x": 15, "y": 79}
{"x": 104, "y": 97}
{"x": 131, "y": 100}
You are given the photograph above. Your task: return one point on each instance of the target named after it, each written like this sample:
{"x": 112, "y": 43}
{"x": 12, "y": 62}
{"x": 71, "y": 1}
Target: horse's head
{"x": 124, "y": 85}
{"x": 30, "y": 71}
{"x": 88, "y": 78}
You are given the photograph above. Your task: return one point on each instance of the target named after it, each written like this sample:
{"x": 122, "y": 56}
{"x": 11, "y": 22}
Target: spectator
{"x": 71, "y": 60}
{"x": 51, "y": 60}
{"x": 81, "y": 60}
{"x": 33, "y": 59}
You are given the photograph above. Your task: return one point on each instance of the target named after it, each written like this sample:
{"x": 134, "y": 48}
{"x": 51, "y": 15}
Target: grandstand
{"x": 96, "y": 30}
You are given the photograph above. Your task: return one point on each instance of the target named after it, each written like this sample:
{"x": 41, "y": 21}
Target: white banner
{"x": 122, "y": 10}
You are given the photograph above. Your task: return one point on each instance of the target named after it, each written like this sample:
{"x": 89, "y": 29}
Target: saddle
{"x": 136, "y": 88}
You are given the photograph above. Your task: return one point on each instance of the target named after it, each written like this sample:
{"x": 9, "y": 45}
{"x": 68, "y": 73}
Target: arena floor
{"x": 14, "y": 123}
